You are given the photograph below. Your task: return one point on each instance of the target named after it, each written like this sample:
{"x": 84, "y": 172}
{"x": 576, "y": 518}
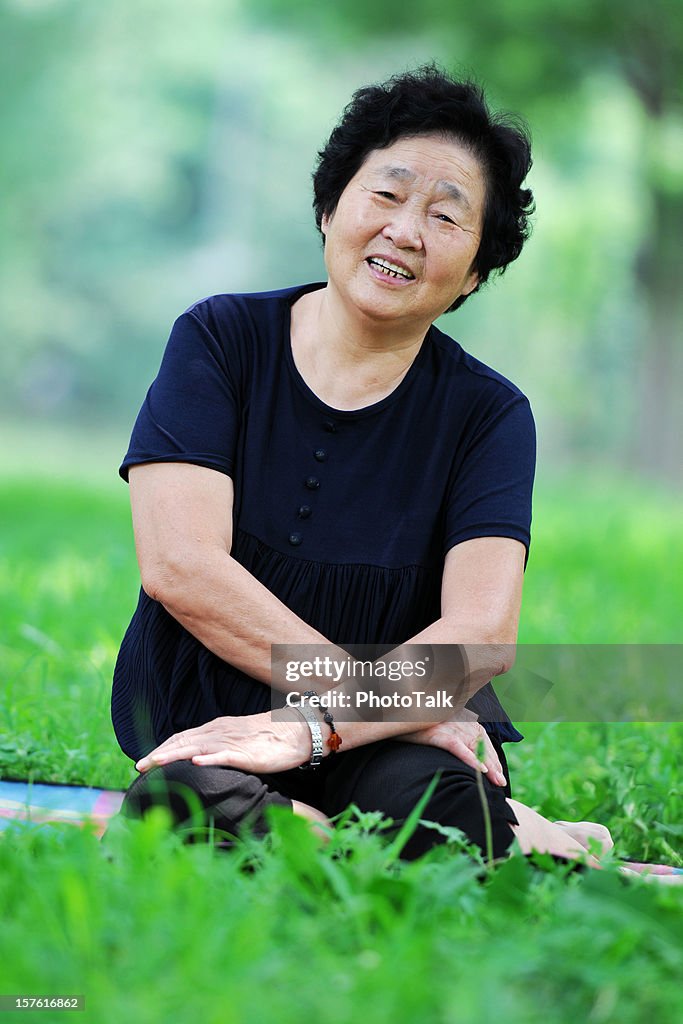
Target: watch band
{"x": 313, "y": 724}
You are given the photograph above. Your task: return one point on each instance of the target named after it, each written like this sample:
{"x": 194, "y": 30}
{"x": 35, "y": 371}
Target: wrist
{"x": 324, "y": 738}
{"x": 315, "y": 734}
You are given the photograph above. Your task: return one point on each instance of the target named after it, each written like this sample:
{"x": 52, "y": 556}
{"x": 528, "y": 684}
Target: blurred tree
{"x": 106, "y": 112}
{"x": 153, "y": 152}
{"x": 535, "y": 55}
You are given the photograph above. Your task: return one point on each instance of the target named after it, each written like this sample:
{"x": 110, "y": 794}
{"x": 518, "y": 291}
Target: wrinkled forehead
{"x": 442, "y": 187}
{"x": 410, "y": 156}
{"x": 446, "y": 165}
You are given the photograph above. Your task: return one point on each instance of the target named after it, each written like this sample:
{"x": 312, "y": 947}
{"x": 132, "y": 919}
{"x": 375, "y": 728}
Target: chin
{"x": 383, "y": 312}
{"x": 383, "y": 305}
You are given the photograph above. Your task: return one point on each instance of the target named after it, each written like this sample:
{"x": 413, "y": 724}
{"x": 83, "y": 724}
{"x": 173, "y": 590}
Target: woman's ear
{"x": 324, "y": 223}
{"x": 471, "y": 283}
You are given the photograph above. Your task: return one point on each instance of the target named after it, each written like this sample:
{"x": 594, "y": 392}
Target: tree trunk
{"x": 657, "y": 446}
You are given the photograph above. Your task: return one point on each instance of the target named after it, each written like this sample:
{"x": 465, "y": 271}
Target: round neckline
{"x": 330, "y": 410}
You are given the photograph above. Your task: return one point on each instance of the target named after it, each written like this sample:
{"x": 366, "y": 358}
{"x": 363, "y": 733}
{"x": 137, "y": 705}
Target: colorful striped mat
{"x": 39, "y": 802}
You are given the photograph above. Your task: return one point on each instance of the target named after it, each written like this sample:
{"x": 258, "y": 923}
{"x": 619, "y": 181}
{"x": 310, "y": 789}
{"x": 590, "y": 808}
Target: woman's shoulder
{"x": 236, "y": 326}
{"x": 472, "y": 373}
{"x": 231, "y": 336}
{"x": 247, "y": 308}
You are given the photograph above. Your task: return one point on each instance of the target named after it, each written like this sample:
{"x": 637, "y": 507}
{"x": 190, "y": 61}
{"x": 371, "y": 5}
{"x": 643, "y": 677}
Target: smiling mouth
{"x": 390, "y": 269}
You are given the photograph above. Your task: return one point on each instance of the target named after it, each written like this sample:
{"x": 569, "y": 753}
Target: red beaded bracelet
{"x": 335, "y": 741}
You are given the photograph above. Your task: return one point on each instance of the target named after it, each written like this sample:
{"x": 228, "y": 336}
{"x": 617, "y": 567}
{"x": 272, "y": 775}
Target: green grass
{"x": 68, "y": 578}
{"x": 150, "y": 930}
{"x": 606, "y": 564}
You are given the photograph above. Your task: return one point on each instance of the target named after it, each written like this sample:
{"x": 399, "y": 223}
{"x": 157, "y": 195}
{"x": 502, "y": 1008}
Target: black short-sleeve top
{"x": 346, "y": 516}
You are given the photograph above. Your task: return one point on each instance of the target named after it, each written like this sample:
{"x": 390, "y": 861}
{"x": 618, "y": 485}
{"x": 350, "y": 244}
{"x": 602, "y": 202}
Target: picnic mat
{"x": 39, "y": 802}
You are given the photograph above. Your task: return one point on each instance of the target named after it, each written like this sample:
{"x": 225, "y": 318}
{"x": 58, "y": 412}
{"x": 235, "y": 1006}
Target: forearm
{"x": 282, "y": 740}
{"x": 230, "y": 612}
{"x": 461, "y": 660}
{"x": 238, "y": 619}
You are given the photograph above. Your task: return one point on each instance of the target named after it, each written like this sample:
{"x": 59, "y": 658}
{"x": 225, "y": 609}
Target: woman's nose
{"x": 404, "y": 229}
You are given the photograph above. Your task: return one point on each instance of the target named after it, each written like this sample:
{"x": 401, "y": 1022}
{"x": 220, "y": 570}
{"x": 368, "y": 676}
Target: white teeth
{"x": 390, "y": 268}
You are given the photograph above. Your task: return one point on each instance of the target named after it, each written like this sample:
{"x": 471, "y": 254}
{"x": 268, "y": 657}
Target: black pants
{"x": 389, "y": 776}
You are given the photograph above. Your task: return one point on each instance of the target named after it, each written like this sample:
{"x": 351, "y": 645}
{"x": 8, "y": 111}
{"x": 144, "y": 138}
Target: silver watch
{"x": 311, "y": 720}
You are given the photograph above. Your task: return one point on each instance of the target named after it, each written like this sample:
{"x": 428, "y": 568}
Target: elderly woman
{"x": 322, "y": 465}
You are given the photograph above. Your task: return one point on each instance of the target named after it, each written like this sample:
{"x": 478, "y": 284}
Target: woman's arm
{"x": 182, "y": 517}
{"x": 481, "y": 598}
{"x": 182, "y": 520}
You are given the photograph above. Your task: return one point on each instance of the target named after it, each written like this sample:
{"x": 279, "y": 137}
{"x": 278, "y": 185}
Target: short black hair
{"x": 429, "y": 101}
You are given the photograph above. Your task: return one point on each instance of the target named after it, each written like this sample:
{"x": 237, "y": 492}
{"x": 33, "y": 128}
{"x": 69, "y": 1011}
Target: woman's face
{"x": 402, "y": 240}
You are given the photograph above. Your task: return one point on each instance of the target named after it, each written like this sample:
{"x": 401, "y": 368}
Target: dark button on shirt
{"x": 312, "y": 483}
{"x": 304, "y": 511}
{"x": 295, "y": 539}
{"x": 330, "y": 427}
{"x": 320, "y": 454}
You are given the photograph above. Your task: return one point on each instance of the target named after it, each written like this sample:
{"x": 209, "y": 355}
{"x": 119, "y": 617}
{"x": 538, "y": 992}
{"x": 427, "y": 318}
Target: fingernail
{"x": 483, "y": 768}
{"x": 503, "y": 780}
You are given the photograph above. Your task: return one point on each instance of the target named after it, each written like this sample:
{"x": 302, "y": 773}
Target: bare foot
{"x": 647, "y": 877}
{"x": 585, "y": 831}
{"x": 321, "y": 823}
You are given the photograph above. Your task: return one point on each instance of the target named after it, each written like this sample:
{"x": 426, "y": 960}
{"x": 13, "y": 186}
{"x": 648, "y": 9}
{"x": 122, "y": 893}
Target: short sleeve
{"x": 192, "y": 410}
{"x": 491, "y": 487}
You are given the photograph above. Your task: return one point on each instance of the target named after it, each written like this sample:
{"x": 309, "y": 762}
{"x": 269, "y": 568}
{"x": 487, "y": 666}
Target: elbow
{"x": 495, "y": 654}
{"x": 493, "y": 645}
{"x": 501, "y": 648}
{"x": 506, "y": 654}
{"x": 165, "y": 579}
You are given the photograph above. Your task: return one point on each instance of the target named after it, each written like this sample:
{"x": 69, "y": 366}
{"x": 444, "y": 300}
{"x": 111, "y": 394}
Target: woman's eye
{"x": 445, "y": 218}
{"x": 385, "y": 195}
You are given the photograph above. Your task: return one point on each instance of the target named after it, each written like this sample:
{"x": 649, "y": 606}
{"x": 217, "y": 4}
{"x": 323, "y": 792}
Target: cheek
{"x": 354, "y": 230}
{"x": 461, "y": 262}
{"x": 354, "y": 221}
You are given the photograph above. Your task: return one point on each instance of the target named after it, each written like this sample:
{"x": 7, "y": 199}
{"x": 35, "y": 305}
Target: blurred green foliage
{"x": 155, "y": 152}
{"x": 283, "y": 931}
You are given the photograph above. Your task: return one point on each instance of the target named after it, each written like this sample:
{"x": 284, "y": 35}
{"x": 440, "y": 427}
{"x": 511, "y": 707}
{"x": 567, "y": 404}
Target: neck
{"x": 355, "y": 330}
{"x": 345, "y": 357}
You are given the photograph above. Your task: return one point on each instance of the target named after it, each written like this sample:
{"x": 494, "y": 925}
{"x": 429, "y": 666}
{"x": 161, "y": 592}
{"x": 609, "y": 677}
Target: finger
{"x": 222, "y": 757}
{"x": 147, "y": 762}
{"x": 181, "y": 750}
{"x": 210, "y": 732}
{"x": 179, "y": 740}
{"x": 454, "y": 744}
{"x": 493, "y": 764}
{"x": 463, "y": 752}
{"x": 155, "y": 759}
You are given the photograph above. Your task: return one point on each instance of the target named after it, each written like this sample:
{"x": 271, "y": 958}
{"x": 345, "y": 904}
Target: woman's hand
{"x": 253, "y": 743}
{"x": 461, "y": 740}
